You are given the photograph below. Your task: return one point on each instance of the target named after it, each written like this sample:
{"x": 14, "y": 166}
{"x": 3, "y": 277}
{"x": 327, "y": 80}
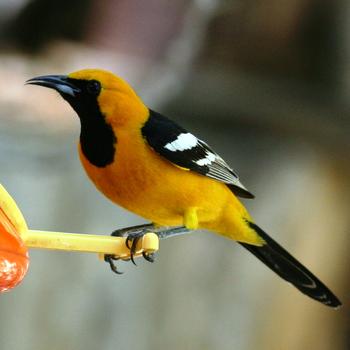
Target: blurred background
{"x": 267, "y": 85}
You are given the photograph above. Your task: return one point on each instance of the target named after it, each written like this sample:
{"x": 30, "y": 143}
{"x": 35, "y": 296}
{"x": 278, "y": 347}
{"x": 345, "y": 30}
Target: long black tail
{"x": 287, "y": 267}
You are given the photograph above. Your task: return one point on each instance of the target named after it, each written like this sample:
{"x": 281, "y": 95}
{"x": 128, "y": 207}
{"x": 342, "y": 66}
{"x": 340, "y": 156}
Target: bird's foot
{"x": 131, "y": 242}
{"x": 133, "y": 235}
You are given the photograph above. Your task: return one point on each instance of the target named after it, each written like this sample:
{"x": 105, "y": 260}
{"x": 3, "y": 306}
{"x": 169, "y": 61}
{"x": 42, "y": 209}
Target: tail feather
{"x": 291, "y": 270}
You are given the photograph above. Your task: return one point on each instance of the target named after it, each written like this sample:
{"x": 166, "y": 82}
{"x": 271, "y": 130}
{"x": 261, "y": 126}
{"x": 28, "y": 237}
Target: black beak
{"x": 60, "y": 83}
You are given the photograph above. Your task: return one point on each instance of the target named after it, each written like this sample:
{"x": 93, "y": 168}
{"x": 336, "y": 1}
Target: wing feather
{"x": 185, "y": 150}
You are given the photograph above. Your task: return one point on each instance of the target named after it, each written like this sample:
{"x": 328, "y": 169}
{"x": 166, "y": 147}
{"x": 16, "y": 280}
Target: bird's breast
{"x": 145, "y": 183}
{"x": 136, "y": 181}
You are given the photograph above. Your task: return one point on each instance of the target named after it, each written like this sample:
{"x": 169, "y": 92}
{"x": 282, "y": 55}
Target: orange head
{"x": 98, "y": 92}
{"x": 106, "y": 105}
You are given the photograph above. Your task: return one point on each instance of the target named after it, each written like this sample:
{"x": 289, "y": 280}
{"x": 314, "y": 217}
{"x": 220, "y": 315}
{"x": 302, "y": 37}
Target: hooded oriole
{"x": 153, "y": 167}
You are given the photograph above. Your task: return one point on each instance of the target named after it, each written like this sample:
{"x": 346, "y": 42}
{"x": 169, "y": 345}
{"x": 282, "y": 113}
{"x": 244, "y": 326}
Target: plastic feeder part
{"x": 14, "y": 258}
{"x": 16, "y": 238}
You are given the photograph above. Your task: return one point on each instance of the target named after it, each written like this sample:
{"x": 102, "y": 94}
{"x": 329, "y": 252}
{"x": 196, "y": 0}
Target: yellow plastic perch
{"x": 71, "y": 241}
{"x": 88, "y": 243}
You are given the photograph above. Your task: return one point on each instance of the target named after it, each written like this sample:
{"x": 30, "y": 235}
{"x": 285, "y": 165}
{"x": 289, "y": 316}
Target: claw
{"x": 149, "y": 257}
{"x": 109, "y": 258}
{"x": 133, "y": 248}
{"x": 127, "y": 241}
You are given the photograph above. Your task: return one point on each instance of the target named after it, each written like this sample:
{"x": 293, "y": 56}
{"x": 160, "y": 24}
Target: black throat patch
{"x": 97, "y": 139}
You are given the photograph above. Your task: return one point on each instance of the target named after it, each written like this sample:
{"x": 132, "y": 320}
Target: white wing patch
{"x": 207, "y": 160}
{"x": 184, "y": 141}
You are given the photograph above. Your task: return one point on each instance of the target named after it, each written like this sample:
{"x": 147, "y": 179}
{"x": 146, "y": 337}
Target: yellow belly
{"x": 145, "y": 183}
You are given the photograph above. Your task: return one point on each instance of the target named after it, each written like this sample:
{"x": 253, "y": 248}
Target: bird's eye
{"x": 93, "y": 87}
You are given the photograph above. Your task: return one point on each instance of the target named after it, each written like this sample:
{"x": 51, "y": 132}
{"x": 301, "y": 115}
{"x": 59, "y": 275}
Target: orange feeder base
{"x": 14, "y": 258}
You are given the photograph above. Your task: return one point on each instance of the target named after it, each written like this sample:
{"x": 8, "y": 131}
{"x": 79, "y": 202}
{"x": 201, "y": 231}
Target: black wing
{"x": 185, "y": 150}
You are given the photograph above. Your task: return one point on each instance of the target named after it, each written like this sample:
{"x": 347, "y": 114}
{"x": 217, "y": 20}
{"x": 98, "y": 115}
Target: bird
{"x": 155, "y": 168}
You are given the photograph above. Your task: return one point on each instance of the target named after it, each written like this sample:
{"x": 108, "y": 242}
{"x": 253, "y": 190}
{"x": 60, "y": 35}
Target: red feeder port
{"x": 14, "y": 259}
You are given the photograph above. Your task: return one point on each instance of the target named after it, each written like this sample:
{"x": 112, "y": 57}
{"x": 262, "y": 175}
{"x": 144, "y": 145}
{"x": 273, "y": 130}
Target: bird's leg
{"x": 171, "y": 231}
{"x": 125, "y": 232}
{"x": 134, "y": 234}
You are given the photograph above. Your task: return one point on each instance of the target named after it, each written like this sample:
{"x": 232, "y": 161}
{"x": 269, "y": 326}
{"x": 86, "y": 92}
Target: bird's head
{"x": 95, "y": 93}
